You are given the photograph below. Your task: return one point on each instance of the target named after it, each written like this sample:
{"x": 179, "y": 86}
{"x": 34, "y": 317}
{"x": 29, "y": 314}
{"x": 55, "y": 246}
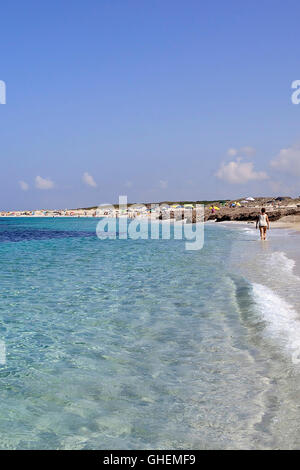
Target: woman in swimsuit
{"x": 263, "y": 223}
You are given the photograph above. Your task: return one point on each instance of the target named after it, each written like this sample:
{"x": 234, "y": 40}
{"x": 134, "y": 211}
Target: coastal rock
{"x": 250, "y": 214}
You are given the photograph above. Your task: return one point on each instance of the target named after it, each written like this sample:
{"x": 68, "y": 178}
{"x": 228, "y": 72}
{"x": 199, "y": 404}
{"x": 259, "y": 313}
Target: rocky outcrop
{"x": 249, "y": 214}
{"x": 242, "y": 214}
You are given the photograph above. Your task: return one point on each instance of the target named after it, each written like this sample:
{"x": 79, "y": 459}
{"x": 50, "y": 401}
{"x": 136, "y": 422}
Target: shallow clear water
{"x": 142, "y": 344}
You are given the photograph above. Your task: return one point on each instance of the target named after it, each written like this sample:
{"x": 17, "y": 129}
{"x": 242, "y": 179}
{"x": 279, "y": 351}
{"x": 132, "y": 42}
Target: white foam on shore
{"x": 274, "y": 286}
{"x": 282, "y": 320}
{"x": 279, "y": 260}
{"x": 280, "y": 269}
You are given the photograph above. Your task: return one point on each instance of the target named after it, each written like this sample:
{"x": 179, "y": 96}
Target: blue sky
{"x": 159, "y": 100}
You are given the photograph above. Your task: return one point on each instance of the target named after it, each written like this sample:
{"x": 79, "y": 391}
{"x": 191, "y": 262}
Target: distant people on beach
{"x": 263, "y": 223}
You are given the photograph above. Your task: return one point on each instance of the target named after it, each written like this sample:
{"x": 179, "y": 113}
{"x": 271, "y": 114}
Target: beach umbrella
{"x": 189, "y": 206}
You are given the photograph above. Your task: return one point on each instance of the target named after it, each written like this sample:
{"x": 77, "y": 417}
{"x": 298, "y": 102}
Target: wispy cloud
{"x": 43, "y": 183}
{"x": 239, "y": 172}
{"x": 23, "y": 185}
{"x": 89, "y": 180}
{"x": 243, "y": 151}
{"x": 232, "y": 152}
{"x": 248, "y": 151}
{"x": 163, "y": 184}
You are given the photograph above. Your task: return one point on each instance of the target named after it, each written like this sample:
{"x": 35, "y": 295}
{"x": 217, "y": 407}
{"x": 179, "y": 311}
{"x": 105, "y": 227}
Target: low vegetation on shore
{"x": 246, "y": 209}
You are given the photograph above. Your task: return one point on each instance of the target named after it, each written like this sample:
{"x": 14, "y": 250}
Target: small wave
{"x": 280, "y": 270}
{"x": 250, "y": 231}
{"x": 278, "y": 259}
{"x": 282, "y": 320}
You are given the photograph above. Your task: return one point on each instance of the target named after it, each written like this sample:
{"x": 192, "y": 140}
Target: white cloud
{"x": 23, "y": 185}
{"x": 89, "y": 180}
{"x": 238, "y": 172}
{"x": 43, "y": 183}
{"x": 163, "y": 184}
{"x": 288, "y": 161}
{"x": 232, "y": 152}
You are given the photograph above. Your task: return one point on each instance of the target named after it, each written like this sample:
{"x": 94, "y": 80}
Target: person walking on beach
{"x": 263, "y": 223}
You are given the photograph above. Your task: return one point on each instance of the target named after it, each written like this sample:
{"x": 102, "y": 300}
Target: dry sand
{"x": 289, "y": 221}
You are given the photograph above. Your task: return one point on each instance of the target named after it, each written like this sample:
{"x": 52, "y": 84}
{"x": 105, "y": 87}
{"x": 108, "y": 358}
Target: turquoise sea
{"x": 141, "y": 344}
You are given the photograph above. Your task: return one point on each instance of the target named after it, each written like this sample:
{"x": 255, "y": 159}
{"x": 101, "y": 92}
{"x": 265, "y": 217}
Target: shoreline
{"x": 290, "y": 222}
{"x": 287, "y": 222}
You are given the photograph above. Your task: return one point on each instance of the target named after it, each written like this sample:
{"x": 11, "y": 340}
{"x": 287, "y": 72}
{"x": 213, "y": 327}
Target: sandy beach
{"x": 284, "y": 211}
{"x": 290, "y": 222}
